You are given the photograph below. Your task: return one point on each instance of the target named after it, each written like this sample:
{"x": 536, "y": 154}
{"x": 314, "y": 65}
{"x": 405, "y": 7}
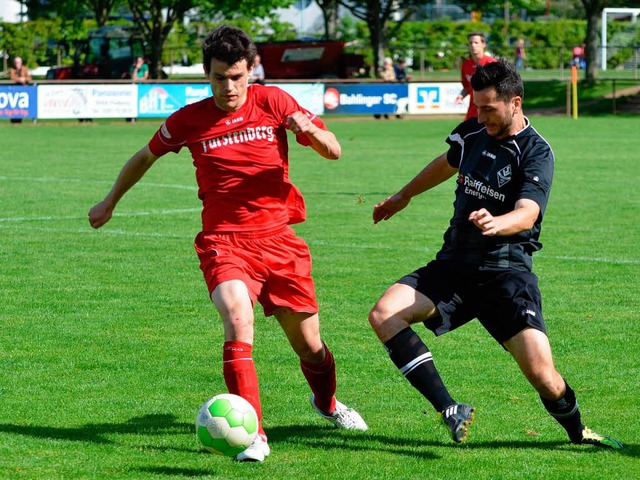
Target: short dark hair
{"x": 502, "y": 76}
{"x": 477, "y": 34}
{"x": 228, "y": 44}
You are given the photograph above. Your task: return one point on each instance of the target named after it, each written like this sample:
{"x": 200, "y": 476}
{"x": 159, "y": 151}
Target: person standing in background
{"x": 520, "y": 54}
{"x": 19, "y": 74}
{"x": 477, "y": 44}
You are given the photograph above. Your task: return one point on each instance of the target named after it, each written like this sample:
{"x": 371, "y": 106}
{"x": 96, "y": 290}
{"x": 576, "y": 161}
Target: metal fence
{"x": 623, "y": 60}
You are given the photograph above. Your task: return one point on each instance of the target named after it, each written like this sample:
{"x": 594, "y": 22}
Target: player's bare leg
{"x": 532, "y": 352}
{"x": 318, "y": 366}
{"x": 391, "y": 318}
{"x": 234, "y": 304}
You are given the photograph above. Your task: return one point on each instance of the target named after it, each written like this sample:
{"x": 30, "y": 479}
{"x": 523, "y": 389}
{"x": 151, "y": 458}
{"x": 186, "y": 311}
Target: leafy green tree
{"x": 330, "y": 15}
{"x": 384, "y": 18}
{"x": 73, "y": 10}
{"x": 156, "y": 18}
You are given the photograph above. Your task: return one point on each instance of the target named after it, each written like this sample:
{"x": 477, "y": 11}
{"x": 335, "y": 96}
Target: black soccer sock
{"x": 567, "y": 413}
{"x": 414, "y": 360}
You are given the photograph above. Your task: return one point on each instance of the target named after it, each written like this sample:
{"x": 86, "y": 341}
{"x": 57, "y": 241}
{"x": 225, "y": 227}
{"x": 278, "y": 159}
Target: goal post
{"x": 633, "y": 12}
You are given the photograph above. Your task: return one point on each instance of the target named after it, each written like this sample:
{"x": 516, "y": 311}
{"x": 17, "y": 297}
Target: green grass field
{"x": 109, "y": 343}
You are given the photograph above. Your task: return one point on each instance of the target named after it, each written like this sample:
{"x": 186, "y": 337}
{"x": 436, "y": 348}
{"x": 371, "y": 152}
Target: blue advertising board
{"x": 18, "y": 102}
{"x": 380, "y": 98}
{"x": 161, "y": 100}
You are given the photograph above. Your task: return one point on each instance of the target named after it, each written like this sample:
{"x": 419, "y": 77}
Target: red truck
{"x": 306, "y": 59}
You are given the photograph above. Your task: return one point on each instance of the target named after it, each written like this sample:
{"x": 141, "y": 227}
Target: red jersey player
{"x": 248, "y": 252}
{"x": 477, "y": 44}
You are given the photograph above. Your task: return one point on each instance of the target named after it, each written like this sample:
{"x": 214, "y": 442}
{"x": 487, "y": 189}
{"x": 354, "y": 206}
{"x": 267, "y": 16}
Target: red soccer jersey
{"x": 468, "y": 69}
{"x": 241, "y": 159}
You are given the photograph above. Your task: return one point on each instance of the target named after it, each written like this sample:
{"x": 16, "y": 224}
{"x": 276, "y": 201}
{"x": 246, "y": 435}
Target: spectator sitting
{"x": 400, "y": 70}
{"x": 19, "y": 74}
{"x": 139, "y": 70}
{"x": 257, "y": 74}
{"x": 387, "y": 72}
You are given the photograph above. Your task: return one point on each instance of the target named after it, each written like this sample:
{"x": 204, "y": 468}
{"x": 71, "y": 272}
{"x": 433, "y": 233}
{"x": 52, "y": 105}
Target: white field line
{"x": 77, "y": 217}
{"x": 312, "y": 243}
{"x": 104, "y": 182}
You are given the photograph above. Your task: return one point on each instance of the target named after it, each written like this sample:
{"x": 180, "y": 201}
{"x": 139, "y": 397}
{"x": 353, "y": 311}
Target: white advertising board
{"x": 436, "y": 98}
{"x": 87, "y": 101}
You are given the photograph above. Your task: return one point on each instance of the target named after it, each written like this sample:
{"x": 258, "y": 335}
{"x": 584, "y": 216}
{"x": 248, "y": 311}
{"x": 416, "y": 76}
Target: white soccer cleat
{"x": 342, "y": 417}
{"x": 256, "y": 452}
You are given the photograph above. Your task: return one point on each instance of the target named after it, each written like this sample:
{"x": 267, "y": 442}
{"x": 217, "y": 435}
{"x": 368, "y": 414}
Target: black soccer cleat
{"x": 457, "y": 418}
{"x": 589, "y": 437}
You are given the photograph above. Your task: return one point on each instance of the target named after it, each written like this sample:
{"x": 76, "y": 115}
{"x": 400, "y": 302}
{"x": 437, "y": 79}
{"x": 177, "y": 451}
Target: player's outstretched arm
{"x": 132, "y": 171}
{"x": 433, "y": 174}
{"x": 322, "y": 141}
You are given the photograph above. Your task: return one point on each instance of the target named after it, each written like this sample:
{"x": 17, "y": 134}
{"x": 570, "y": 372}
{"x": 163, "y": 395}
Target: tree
{"x": 101, "y": 9}
{"x": 593, "y": 9}
{"x": 156, "y": 18}
{"x": 73, "y": 10}
{"x": 330, "y": 14}
{"x": 378, "y": 15}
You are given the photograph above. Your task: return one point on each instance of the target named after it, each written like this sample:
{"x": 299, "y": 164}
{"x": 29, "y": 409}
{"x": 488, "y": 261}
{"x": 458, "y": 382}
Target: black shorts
{"x": 504, "y": 301}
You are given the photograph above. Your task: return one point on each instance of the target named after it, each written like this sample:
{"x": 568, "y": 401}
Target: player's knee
{"x": 378, "y": 316}
{"x": 238, "y": 325}
{"x": 549, "y": 384}
{"x": 309, "y": 354}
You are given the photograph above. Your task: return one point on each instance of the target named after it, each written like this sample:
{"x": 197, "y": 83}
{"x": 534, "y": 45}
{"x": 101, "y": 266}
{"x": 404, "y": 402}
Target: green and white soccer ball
{"x": 226, "y": 424}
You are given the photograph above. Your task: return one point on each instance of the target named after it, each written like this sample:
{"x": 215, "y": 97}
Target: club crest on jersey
{"x": 165, "y": 131}
{"x": 504, "y": 175}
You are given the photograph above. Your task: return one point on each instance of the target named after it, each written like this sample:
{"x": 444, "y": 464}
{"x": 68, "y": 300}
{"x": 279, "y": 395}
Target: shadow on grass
{"x": 328, "y": 438}
{"x": 160, "y": 424}
{"x": 176, "y": 472}
{"x": 316, "y": 437}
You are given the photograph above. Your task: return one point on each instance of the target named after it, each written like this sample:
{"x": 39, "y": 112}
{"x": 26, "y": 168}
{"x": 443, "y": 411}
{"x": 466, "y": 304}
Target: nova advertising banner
{"x": 18, "y": 102}
{"x": 161, "y": 100}
{"x": 308, "y": 95}
{"x": 379, "y": 98}
{"x": 436, "y": 98}
{"x": 87, "y": 101}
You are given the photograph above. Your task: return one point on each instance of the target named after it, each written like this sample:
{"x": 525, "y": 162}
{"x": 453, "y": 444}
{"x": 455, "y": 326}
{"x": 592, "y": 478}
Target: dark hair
{"x": 477, "y": 34}
{"x": 502, "y": 76}
{"x": 228, "y": 44}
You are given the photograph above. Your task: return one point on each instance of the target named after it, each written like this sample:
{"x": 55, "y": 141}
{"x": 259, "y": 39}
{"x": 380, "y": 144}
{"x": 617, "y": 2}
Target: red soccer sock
{"x": 240, "y": 375}
{"x": 322, "y": 380}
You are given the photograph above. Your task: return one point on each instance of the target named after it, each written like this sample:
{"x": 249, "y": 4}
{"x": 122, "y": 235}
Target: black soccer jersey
{"x": 494, "y": 174}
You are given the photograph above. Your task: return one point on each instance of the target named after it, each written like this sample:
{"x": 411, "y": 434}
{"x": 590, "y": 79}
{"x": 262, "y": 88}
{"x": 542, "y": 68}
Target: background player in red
{"x": 248, "y": 252}
{"x": 477, "y": 45}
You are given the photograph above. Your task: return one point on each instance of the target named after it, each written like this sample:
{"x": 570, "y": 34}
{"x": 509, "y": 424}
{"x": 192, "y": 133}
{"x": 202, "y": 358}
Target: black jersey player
{"x": 504, "y": 171}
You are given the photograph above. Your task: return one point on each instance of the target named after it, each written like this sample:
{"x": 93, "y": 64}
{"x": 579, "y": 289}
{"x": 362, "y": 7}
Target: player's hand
{"x": 389, "y": 207}
{"x": 100, "y": 214}
{"x": 485, "y": 222}
{"x": 459, "y": 99}
{"x": 299, "y": 123}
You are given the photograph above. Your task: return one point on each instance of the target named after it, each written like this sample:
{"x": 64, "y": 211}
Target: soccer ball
{"x": 226, "y": 424}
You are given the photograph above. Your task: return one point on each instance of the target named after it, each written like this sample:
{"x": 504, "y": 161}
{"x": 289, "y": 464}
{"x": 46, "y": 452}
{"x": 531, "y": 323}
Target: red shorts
{"x": 275, "y": 266}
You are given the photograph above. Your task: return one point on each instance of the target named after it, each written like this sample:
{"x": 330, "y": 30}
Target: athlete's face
{"x": 476, "y": 46}
{"x": 497, "y": 115}
{"x": 228, "y": 83}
